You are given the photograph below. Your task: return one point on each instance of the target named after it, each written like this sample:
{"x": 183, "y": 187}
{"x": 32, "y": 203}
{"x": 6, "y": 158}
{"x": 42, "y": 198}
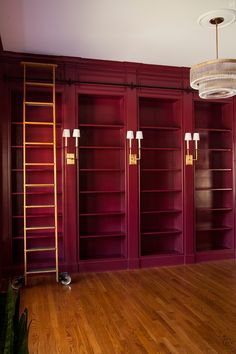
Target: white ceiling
{"x": 146, "y": 31}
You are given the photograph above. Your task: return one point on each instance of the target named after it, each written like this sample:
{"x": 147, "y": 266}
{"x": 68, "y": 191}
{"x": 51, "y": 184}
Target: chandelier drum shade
{"x": 215, "y": 78}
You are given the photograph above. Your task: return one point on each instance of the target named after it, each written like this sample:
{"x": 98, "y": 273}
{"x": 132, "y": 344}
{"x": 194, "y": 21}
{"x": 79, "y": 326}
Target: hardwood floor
{"x": 183, "y": 309}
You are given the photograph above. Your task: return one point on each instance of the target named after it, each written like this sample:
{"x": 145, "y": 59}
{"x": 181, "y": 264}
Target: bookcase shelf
{"x": 159, "y": 128}
{"x": 162, "y": 232}
{"x": 102, "y": 205}
{"x": 214, "y": 177}
{"x": 161, "y": 191}
{"x": 160, "y": 148}
{"x": 161, "y": 211}
{"x": 160, "y": 177}
{"x": 106, "y": 126}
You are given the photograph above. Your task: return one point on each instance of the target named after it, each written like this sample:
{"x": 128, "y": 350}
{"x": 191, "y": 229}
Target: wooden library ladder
{"x": 39, "y": 140}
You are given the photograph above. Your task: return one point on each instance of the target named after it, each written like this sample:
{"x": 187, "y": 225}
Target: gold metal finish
{"x": 70, "y": 159}
{"x": 42, "y": 84}
{"x": 47, "y": 104}
{"x": 214, "y": 61}
{"x": 189, "y": 160}
{"x": 39, "y": 164}
{"x": 51, "y": 144}
{"x": 40, "y": 206}
{"x": 217, "y": 21}
{"x": 40, "y": 271}
{"x": 39, "y": 185}
{"x": 55, "y": 171}
{"x": 24, "y": 177}
{"x": 40, "y": 228}
{"x": 133, "y": 159}
{"x": 38, "y": 65}
{"x": 39, "y": 123}
{"x": 196, "y": 155}
{"x": 42, "y": 249}
{"x": 37, "y": 143}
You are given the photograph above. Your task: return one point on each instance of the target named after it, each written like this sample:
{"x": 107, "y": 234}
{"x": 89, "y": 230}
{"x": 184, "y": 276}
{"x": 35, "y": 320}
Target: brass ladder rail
{"x": 26, "y": 146}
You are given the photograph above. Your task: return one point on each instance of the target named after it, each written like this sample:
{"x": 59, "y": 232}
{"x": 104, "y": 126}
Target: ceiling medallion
{"x": 215, "y": 78}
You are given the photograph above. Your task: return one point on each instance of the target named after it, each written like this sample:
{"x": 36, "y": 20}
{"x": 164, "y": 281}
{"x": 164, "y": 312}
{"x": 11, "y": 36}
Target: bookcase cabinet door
{"x": 214, "y": 185}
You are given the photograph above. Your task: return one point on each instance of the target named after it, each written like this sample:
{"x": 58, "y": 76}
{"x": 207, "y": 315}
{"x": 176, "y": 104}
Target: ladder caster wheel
{"x": 18, "y": 282}
{"x": 64, "y": 278}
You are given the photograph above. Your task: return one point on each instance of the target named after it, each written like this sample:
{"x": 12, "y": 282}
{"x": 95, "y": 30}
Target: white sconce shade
{"x": 76, "y": 133}
{"x": 139, "y": 134}
{"x": 187, "y": 137}
{"x": 66, "y": 135}
{"x": 130, "y": 134}
{"x": 196, "y": 136}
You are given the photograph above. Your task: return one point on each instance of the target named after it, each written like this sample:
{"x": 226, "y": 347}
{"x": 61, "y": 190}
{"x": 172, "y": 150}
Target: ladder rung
{"x": 39, "y": 164}
{"x": 35, "y": 103}
{"x": 41, "y": 249}
{"x": 39, "y": 184}
{"x": 40, "y": 228}
{"x": 40, "y": 206}
{"x": 39, "y": 123}
{"x": 31, "y": 63}
{"x": 38, "y": 143}
{"x": 42, "y": 84}
{"x": 38, "y": 271}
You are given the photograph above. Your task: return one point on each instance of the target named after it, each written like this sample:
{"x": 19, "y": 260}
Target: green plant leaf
{"x": 9, "y": 315}
{"x": 14, "y": 330}
{"x": 3, "y": 326}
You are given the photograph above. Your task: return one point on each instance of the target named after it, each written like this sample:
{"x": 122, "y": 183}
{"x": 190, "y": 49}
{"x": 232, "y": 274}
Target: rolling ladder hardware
{"x": 38, "y": 143}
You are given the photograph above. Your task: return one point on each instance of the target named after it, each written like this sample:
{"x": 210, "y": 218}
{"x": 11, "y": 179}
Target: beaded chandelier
{"x": 215, "y": 78}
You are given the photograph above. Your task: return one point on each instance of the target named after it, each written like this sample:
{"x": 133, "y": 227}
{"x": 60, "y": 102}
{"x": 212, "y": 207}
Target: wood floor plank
{"x": 183, "y": 309}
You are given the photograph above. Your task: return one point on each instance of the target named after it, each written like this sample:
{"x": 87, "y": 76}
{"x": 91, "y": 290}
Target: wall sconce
{"x": 189, "y": 158}
{"x": 133, "y": 158}
{"x": 76, "y": 135}
{"x": 70, "y": 158}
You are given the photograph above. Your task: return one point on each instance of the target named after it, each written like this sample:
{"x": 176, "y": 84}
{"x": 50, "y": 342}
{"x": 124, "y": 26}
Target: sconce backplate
{"x": 70, "y": 159}
{"x": 189, "y": 160}
{"x": 133, "y": 159}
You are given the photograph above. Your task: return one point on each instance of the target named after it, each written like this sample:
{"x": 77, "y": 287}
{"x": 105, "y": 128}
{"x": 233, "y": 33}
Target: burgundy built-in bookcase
{"x": 161, "y": 167}
{"x": 214, "y": 182}
{"x": 102, "y": 178}
{"x": 113, "y": 215}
